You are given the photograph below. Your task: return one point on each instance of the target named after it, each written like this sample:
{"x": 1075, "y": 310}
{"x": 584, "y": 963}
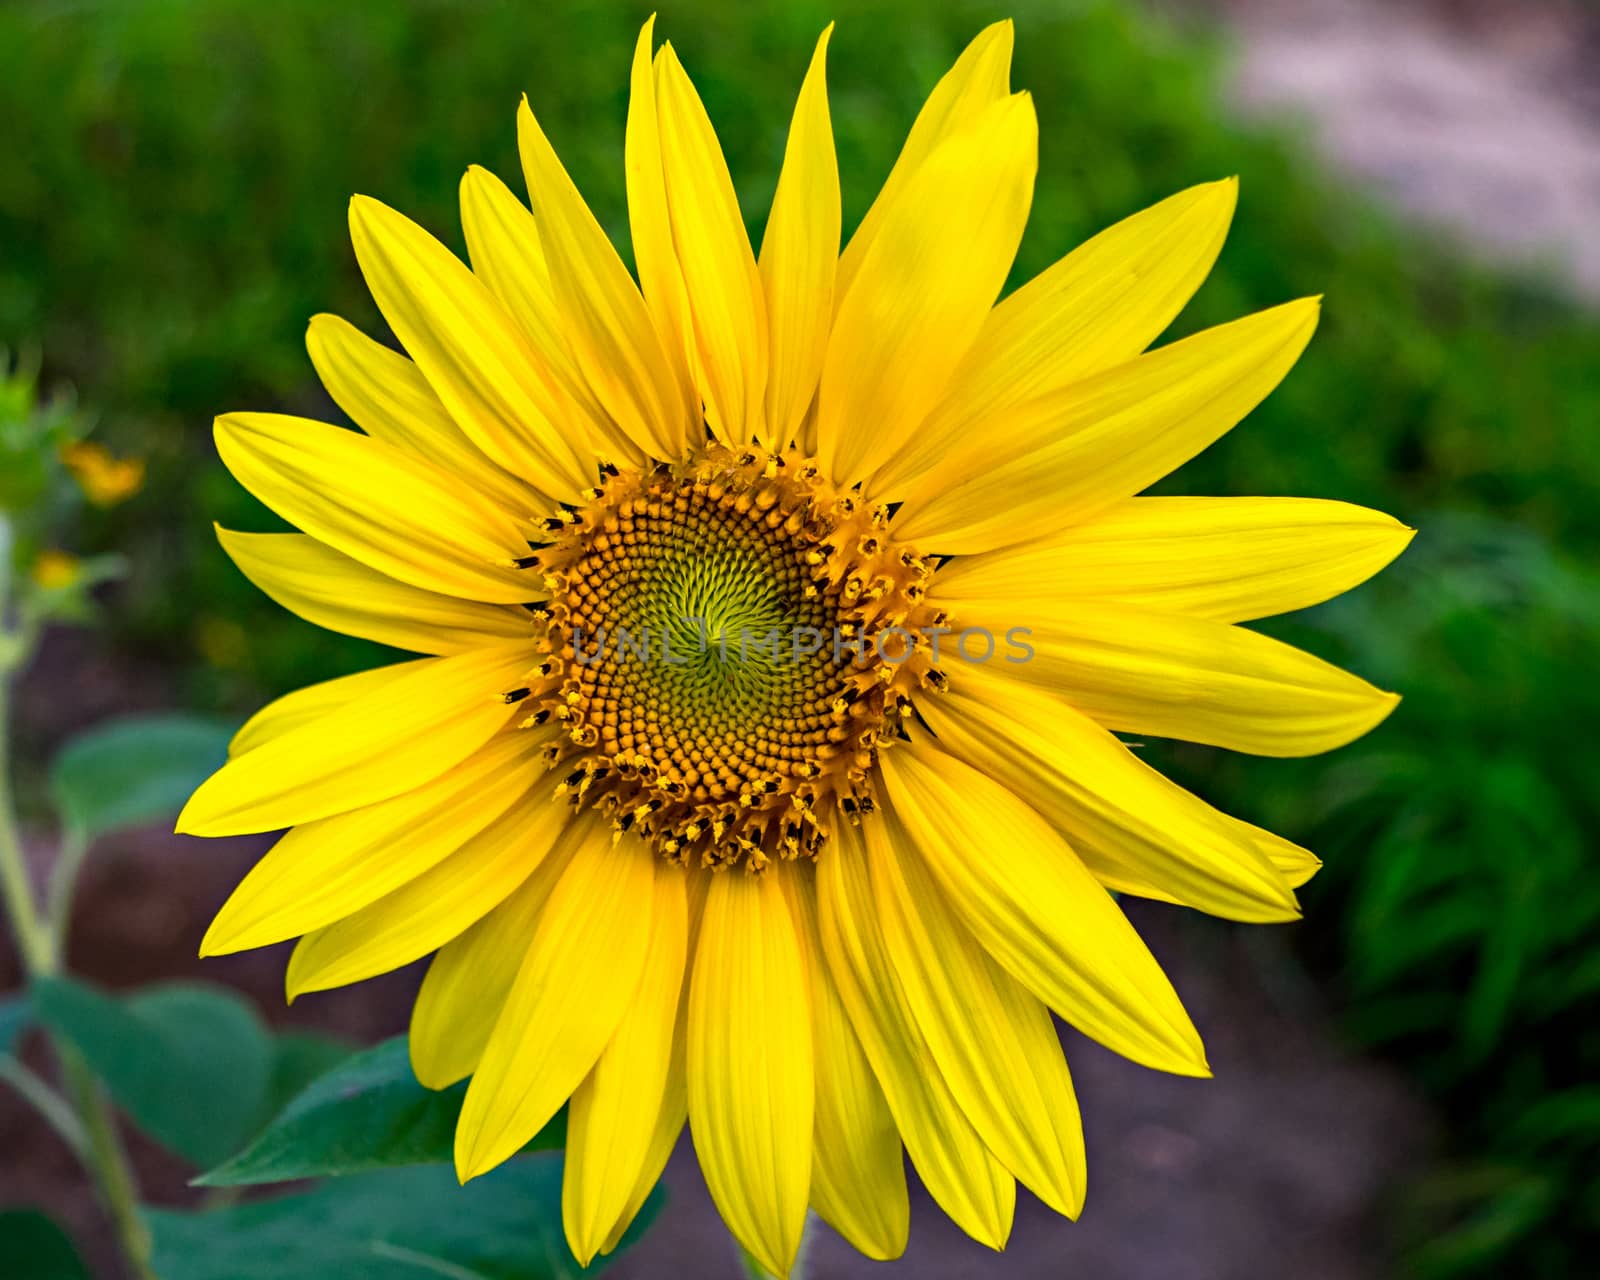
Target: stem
{"x": 108, "y": 1161}
{"x": 63, "y": 881}
{"x": 33, "y": 940}
{"x": 48, "y": 1103}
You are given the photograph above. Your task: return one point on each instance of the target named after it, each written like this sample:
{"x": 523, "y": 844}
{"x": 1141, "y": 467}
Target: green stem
{"x": 63, "y": 882}
{"x": 55, "y": 1109}
{"x": 32, "y": 936}
{"x": 108, "y": 1161}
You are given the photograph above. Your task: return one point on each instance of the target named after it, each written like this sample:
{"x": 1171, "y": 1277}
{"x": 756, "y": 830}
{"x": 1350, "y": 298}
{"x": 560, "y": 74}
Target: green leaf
{"x": 14, "y": 1019}
{"x": 190, "y": 1063}
{"x": 369, "y": 1112}
{"x": 387, "y": 1225}
{"x": 35, "y": 1248}
{"x": 136, "y": 770}
{"x": 298, "y": 1058}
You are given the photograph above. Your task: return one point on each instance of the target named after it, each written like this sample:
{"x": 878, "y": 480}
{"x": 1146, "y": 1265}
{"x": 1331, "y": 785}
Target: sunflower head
{"x": 678, "y": 553}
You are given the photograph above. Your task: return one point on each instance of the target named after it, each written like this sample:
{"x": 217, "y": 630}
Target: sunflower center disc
{"x": 729, "y": 638}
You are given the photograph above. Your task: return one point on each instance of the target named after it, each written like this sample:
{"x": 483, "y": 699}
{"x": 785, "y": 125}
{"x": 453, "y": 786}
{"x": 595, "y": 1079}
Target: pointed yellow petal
{"x": 611, "y": 334}
{"x": 1170, "y": 676}
{"x": 392, "y": 512}
{"x": 1135, "y": 830}
{"x": 719, "y": 269}
{"x": 959, "y": 1171}
{"x": 312, "y": 703}
{"x": 328, "y": 588}
{"x": 799, "y": 254}
{"x": 1098, "y": 307}
{"x": 611, "y": 1124}
{"x": 468, "y": 981}
{"x": 399, "y": 735}
{"x": 503, "y": 246}
{"x": 935, "y": 268}
{"x": 858, "y": 1176}
{"x": 1070, "y": 454}
{"x": 325, "y": 870}
{"x": 440, "y": 904}
{"x": 751, "y": 1087}
{"x": 1037, "y": 910}
{"x": 572, "y": 991}
{"x": 980, "y": 77}
{"x": 1227, "y": 559}
{"x": 472, "y": 353}
{"x": 388, "y": 398}
{"x": 994, "y": 1042}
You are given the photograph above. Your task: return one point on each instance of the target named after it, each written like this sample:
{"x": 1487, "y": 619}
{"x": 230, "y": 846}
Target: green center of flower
{"x": 717, "y": 655}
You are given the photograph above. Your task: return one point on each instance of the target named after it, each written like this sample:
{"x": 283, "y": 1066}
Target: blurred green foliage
{"x": 171, "y": 215}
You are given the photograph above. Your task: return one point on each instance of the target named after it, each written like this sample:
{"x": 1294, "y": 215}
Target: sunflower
{"x": 694, "y": 813}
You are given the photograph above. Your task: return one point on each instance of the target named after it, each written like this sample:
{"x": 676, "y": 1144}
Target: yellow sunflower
{"x": 698, "y": 817}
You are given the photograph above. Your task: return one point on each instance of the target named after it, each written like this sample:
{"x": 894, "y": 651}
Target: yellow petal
{"x": 935, "y": 268}
{"x": 1036, "y": 909}
{"x": 440, "y": 904}
{"x": 312, "y": 703}
{"x": 503, "y": 246}
{"x": 1294, "y": 864}
{"x": 1227, "y": 559}
{"x": 612, "y": 1121}
{"x": 858, "y": 1176}
{"x": 392, "y": 512}
{"x": 1099, "y": 306}
{"x": 325, "y": 870}
{"x": 472, "y": 353}
{"x": 961, "y": 1174}
{"x": 468, "y": 981}
{"x": 719, "y": 269}
{"x": 751, "y": 1085}
{"x": 1170, "y": 676}
{"x": 666, "y": 297}
{"x": 994, "y": 1041}
{"x": 980, "y": 77}
{"x": 328, "y": 588}
{"x": 799, "y": 254}
{"x": 1066, "y": 456}
{"x": 388, "y": 398}
{"x": 611, "y": 334}
{"x": 1135, "y": 830}
{"x": 573, "y": 989}
{"x": 390, "y": 739}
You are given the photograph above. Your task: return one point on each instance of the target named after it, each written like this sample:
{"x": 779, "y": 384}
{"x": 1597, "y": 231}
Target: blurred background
{"x": 1408, "y": 1082}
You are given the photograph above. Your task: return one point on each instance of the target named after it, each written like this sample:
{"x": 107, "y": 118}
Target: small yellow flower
{"x": 758, "y": 865}
{"x": 105, "y": 479}
{"x": 57, "y": 570}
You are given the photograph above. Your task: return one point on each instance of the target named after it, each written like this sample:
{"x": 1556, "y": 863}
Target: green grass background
{"x": 172, "y": 210}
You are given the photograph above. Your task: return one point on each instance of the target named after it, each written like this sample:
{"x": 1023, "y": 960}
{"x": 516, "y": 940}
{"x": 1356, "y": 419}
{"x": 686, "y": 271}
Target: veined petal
{"x": 1096, "y": 308}
{"x": 799, "y": 255}
{"x": 472, "y": 353}
{"x": 1294, "y": 864}
{"x": 1134, "y": 829}
{"x": 751, "y": 1083}
{"x": 312, "y": 703}
{"x": 611, "y": 334}
{"x": 611, "y": 1122}
{"x": 959, "y": 1171}
{"x": 328, "y": 588}
{"x": 1227, "y": 559}
{"x": 468, "y": 981}
{"x": 395, "y": 513}
{"x": 934, "y": 270}
{"x": 387, "y": 397}
{"x": 1070, "y": 454}
{"x": 994, "y": 1041}
{"x": 1037, "y": 910}
{"x": 1144, "y": 672}
{"x": 666, "y": 297}
{"x": 503, "y": 246}
{"x": 573, "y": 989}
{"x": 396, "y": 736}
{"x": 440, "y": 904}
{"x": 858, "y": 1175}
{"x": 325, "y": 870}
{"x": 719, "y": 269}
{"x": 980, "y": 77}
